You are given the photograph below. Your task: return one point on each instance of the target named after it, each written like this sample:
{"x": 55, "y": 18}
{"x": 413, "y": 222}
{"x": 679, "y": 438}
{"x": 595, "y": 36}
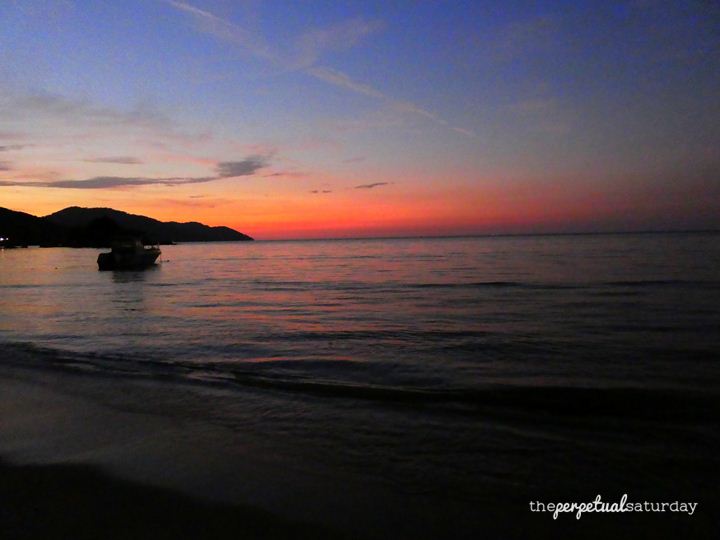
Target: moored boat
{"x": 128, "y": 255}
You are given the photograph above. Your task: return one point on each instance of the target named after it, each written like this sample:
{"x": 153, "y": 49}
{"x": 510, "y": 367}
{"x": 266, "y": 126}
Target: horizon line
{"x": 489, "y": 235}
{"x": 419, "y": 236}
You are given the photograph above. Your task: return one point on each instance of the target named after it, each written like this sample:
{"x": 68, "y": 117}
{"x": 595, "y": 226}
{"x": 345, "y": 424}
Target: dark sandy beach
{"x": 76, "y": 501}
{"x": 79, "y": 468}
{"x": 64, "y": 476}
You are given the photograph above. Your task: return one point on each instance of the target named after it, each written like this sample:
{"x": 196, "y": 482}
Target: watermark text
{"x": 623, "y": 505}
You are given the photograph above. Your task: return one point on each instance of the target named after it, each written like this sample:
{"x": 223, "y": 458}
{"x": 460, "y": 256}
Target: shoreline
{"x": 64, "y": 428}
{"x": 151, "y": 474}
{"x": 58, "y": 421}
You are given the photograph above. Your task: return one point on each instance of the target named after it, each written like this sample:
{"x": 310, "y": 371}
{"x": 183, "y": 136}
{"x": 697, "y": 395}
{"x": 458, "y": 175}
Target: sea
{"x": 430, "y": 379}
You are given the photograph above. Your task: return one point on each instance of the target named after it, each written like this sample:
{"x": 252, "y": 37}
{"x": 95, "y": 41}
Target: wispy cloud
{"x": 309, "y": 51}
{"x": 373, "y": 185}
{"x": 226, "y": 30}
{"x": 286, "y": 174}
{"x": 108, "y": 182}
{"x": 463, "y": 131}
{"x": 12, "y": 147}
{"x": 19, "y": 106}
{"x": 314, "y": 43}
{"x": 120, "y": 160}
{"x": 226, "y": 169}
{"x": 230, "y": 169}
{"x": 406, "y": 106}
{"x": 320, "y": 191}
{"x": 5, "y": 166}
{"x": 355, "y": 159}
{"x": 343, "y": 80}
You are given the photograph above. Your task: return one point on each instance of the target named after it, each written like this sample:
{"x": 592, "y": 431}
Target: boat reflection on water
{"x": 129, "y": 254}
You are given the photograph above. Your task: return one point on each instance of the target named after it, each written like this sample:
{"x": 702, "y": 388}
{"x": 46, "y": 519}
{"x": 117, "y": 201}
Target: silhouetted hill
{"x": 96, "y": 227}
{"x": 159, "y": 231}
{"x": 100, "y": 232}
{"x": 24, "y": 229}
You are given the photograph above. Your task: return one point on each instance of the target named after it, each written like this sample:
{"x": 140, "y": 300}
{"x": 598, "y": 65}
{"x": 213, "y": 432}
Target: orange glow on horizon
{"x": 399, "y": 207}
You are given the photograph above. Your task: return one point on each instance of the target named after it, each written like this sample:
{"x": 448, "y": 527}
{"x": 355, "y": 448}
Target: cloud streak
{"x": 120, "y": 160}
{"x": 344, "y": 35}
{"x": 225, "y": 30}
{"x": 108, "y": 182}
{"x": 343, "y": 80}
{"x": 14, "y": 106}
{"x": 463, "y": 131}
{"x": 311, "y": 46}
{"x": 231, "y": 169}
{"x": 286, "y": 174}
{"x": 373, "y": 185}
{"x": 225, "y": 169}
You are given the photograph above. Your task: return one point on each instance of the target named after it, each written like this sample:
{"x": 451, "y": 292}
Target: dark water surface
{"x": 458, "y": 372}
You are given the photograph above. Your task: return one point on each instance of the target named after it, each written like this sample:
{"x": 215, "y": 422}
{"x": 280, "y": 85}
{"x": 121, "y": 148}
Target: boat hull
{"x": 127, "y": 261}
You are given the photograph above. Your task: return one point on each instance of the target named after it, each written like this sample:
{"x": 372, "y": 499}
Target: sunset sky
{"x": 365, "y": 118}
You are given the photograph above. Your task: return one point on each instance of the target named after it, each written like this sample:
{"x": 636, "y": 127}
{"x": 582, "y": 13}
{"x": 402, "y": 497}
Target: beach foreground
{"x": 76, "y": 501}
{"x": 155, "y": 476}
{"x": 424, "y": 388}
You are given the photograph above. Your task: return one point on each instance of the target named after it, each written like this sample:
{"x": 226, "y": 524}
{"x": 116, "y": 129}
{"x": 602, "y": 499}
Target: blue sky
{"x": 468, "y": 116}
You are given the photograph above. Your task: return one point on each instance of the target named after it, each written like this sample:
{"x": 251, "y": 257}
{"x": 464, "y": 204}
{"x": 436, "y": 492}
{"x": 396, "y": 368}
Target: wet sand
{"x": 74, "y": 467}
{"x": 79, "y": 462}
{"x": 127, "y": 433}
{"x": 76, "y": 501}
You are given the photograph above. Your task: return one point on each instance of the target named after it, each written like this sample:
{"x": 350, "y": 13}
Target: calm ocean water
{"x": 467, "y": 366}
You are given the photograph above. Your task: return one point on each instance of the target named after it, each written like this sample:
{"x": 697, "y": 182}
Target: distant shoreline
{"x": 428, "y": 237}
{"x": 489, "y": 235}
{"x": 100, "y": 227}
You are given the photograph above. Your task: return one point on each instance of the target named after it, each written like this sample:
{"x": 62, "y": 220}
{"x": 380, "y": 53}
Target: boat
{"x": 129, "y": 254}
